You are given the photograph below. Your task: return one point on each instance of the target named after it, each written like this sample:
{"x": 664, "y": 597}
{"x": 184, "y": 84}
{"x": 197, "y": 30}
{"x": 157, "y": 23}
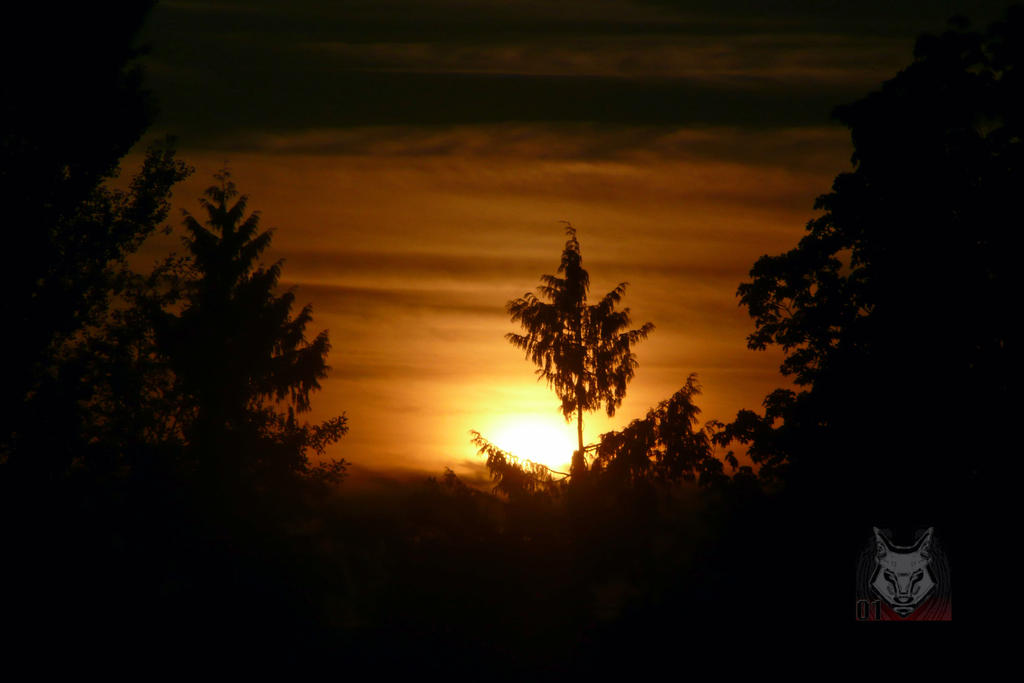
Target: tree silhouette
{"x": 70, "y": 231}
{"x": 239, "y": 355}
{"x": 584, "y": 352}
{"x": 892, "y": 309}
{"x": 666, "y": 445}
{"x": 517, "y": 478}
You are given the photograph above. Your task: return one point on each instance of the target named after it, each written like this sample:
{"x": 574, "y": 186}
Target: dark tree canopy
{"x": 238, "y": 352}
{"x": 63, "y": 131}
{"x": 893, "y": 308}
{"x": 583, "y": 351}
{"x": 73, "y": 106}
{"x": 666, "y": 445}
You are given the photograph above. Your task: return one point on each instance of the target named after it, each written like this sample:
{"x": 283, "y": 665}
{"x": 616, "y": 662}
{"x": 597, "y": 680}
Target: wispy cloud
{"x": 261, "y": 66}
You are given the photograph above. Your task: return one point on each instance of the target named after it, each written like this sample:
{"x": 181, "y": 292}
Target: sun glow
{"x": 548, "y": 441}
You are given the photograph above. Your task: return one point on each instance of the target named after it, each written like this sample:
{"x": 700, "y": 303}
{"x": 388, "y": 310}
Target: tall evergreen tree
{"x": 241, "y": 359}
{"x": 584, "y": 352}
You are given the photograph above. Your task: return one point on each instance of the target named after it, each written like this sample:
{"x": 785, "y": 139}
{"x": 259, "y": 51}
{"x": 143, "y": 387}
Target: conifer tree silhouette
{"x": 239, "y": 354}
{"x": 584, "y": 352}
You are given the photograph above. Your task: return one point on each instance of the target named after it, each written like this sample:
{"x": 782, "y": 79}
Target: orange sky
{"x": 417, "y": 158}
{"x": 409, "y": 255}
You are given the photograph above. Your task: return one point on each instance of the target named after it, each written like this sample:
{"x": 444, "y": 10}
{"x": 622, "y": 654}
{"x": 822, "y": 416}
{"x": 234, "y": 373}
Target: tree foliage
{"x": 241, "y": 359}
{"x": 515, "y": 477}
{"x": 55, "y": 170}
{"x": 892, "y": 308}
{"x": 64, "y": 307}
{"x": 72, "y": 109}
{"x": 583, "y": 351}
{"x": 666, "y": 445}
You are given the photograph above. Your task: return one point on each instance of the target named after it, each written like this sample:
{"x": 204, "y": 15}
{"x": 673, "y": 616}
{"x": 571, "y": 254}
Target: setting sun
{"x": 545, "y": 440}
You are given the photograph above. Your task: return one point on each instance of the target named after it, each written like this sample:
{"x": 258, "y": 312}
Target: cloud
{"x": 423, "y": 267}
{"x": 803, "y": 148}
{"x": 741, "y": 61}
{"x": 265, "y": 67}
{"x": 383, "y": 302}
{"x": 900, "y": 18}
{"x": 280, "y": 100}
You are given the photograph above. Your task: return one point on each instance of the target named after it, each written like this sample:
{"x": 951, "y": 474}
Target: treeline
{"x": 154, "y": 467}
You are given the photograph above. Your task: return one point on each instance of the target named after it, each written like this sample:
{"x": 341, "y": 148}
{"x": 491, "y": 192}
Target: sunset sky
{"x": 417, "y": 159}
